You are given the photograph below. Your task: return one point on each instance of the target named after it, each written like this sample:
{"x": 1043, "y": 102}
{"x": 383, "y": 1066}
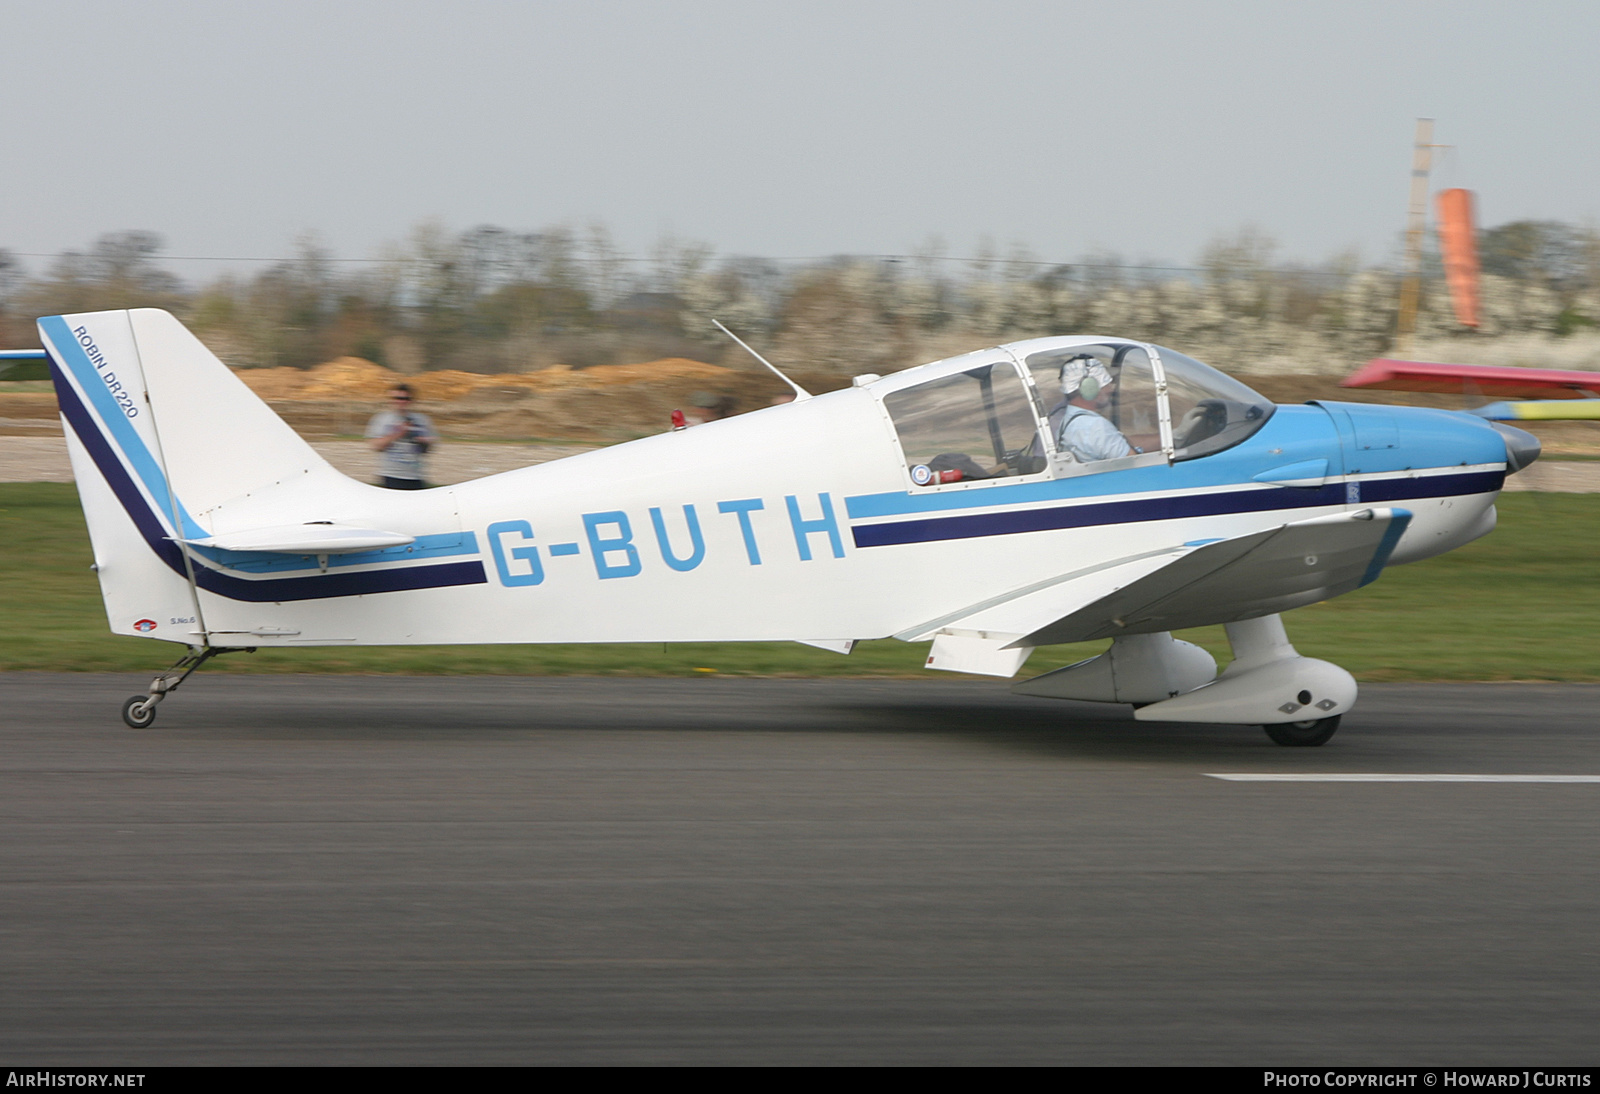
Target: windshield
{"x": 1210, "y": 410}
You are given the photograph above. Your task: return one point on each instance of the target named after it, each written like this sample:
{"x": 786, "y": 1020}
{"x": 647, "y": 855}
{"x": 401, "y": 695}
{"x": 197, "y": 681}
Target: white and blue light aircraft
{"x": 932, "y": 505}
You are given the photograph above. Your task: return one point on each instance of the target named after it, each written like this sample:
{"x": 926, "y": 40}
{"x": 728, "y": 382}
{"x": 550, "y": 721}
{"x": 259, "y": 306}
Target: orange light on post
{"x": 1458, "y": 240}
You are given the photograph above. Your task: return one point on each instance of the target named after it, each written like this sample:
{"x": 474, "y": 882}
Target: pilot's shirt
{"x": 1089, "y": 437}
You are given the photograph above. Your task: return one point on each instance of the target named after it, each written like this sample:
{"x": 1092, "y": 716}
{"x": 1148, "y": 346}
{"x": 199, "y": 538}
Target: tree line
{"x": 494, "y": 300}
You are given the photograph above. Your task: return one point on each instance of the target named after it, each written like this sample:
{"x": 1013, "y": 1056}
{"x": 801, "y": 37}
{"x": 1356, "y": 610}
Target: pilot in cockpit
{"x": 1083, "y": 429}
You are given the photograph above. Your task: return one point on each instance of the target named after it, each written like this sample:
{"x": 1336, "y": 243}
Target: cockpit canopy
{"x": 1003, "y": 413}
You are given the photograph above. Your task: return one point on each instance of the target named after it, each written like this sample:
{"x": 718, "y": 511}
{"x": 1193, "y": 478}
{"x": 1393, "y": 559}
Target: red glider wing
{"x": 1504, "y": 381}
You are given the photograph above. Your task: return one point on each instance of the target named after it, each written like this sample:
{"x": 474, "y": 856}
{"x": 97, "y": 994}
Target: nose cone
{"x": 1522, "y": 447}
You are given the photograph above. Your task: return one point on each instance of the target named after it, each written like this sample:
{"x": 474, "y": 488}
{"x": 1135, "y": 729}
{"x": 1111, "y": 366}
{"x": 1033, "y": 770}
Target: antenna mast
{"x": 1411, "y": 277}
{"x": 799, "y": 392}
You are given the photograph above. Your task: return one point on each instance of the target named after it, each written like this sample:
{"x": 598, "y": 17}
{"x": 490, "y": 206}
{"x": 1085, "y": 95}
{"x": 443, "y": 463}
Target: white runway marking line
{"x": 1383, "y": 777}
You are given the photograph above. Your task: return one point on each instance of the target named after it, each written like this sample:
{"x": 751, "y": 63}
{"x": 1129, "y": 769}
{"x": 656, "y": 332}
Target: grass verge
{"x": 1521, "y": 604}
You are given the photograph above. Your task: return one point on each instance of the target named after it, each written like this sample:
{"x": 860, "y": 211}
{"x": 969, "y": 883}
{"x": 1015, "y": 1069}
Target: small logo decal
{"x": 144, "y": 626}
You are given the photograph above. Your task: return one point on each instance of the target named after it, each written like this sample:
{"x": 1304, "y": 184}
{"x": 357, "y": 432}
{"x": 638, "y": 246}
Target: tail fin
{"x": 122, "y": 462}
{"x": 173, "y": 453}
{"x": 156, "y": 388}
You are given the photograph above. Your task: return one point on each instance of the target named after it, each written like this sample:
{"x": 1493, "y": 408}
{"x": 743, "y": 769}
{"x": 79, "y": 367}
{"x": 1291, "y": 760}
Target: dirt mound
{"x": 617, "y": 410}
{"x": 345, "y": 378}
{"x": 273, "y": 383}
{"x": 356, "y": 378}
{"x": 32, "y": 404}
{"x": 605, "y": 402}
{"x": 448, "y": 385}
{"x": 348, "y": 377}
{"x": 665, "y": 371}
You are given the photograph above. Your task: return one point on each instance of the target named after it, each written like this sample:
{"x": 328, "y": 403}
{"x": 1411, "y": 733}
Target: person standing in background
{"x": 401, "y": 437}
{"x": 710, "y": 407}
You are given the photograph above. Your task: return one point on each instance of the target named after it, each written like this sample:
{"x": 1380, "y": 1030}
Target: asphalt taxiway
{"x": 493, "y": 870}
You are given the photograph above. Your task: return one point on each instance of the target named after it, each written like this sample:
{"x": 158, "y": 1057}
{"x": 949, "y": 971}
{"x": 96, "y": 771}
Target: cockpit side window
{"x": 974, "y": 425}
{"x": 1099, "y": 400}
{"x": 1210, "y": 411}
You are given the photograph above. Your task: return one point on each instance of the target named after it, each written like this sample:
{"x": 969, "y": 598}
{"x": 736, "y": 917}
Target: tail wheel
{"x": 1303, "y": 734}
{"x": 139, "y": 712}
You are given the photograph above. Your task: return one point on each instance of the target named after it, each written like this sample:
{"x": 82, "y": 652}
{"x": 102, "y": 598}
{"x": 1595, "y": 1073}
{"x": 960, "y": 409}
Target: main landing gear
{"x": 1268, "y": 684}
{"x": 1297, "y": 700}
{"x": 139, "y": 711}
{"x": 1308, "y": 734}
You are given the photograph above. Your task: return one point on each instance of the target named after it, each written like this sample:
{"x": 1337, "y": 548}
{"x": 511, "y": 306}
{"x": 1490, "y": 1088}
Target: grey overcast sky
{"x": 808, "y": 127}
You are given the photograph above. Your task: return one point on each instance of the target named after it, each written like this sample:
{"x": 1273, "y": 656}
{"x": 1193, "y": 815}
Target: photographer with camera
{"x": 401, "y": 436}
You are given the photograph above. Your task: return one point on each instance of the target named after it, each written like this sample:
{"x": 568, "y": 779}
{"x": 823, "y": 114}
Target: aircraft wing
{"x": 1541, "y": 410}
{"x": 24, "y": 364}
{"x": 1508, "y": 382}
{"x": 1193, "y": 585}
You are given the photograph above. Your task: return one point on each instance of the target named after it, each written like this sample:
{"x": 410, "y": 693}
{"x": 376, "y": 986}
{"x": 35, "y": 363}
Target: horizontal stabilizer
{"x": 302, "y": 539}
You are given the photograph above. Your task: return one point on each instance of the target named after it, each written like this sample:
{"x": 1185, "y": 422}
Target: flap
{"x": 965, "y": 651}
{"x": 321, "y": 538}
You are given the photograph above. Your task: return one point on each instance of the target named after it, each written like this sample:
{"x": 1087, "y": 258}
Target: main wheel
{"x": 1303, "y": 734}
{"x": 137, "y": 714}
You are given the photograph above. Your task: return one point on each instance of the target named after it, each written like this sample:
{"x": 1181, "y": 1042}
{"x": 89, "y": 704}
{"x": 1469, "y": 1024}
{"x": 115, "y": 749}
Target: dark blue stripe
{"x": 324, "y": 586}
{"x": 319, "y": 587}
{"x": 113, "y": 472}
{"x": 1137, "y": 510}
{"x": 1477, "y": 482}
